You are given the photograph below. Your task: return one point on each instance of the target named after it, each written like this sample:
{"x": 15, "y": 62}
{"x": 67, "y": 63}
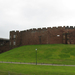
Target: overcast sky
{"x": 26, "y": 14}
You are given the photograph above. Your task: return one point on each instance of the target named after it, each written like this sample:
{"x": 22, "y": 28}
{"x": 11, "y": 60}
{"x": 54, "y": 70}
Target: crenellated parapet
{"x": 49, "y": 35}
{"x": 70, "y": 27}
{"x": 43, "y": 29}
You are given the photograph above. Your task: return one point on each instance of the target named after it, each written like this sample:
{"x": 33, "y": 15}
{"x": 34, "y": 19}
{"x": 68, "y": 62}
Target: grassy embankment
{"x": 54, "y": 53}
{"x": 16, "y": 69}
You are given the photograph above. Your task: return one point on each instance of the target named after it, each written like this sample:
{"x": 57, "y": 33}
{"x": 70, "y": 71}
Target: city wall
{"x": 54, "y": 35}
{"x": 4, "y": 45}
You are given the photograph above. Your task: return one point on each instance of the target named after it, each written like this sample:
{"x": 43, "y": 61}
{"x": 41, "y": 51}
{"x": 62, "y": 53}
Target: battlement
{"x": 54, "y": 27}
{"x": 71, "y": 27}
{"x": 17, "y": 31}
{"x": 34, "y": 29}
{"x": 14, "y": 31}
{"x": 39, "y": 29}
{"x": 43, "y": 29}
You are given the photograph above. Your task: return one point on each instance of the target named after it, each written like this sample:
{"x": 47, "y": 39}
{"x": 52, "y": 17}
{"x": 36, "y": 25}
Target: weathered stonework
{"x": 55, "y": 35}
{"x": 4, "y": 45}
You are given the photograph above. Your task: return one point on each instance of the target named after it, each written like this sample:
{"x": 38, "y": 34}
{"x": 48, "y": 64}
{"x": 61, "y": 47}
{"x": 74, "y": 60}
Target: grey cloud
{"x": 26, "y": 14}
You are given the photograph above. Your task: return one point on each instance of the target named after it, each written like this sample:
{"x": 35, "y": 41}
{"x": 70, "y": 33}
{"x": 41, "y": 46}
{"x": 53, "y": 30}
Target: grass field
{"x": 16, "y": 69}
{"x": 54, "y": 53}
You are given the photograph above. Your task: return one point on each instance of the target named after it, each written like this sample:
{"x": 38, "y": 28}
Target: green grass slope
{"x": 16, "y": 69}
{"x": 53, "y": 53}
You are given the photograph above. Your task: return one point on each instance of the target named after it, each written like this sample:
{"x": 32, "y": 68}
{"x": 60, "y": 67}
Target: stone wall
{"x": 55, "y": 35}
{"x": 4, "y": 45}
{"x": 37, "y": 36}
{"x": 69, "y": 35}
